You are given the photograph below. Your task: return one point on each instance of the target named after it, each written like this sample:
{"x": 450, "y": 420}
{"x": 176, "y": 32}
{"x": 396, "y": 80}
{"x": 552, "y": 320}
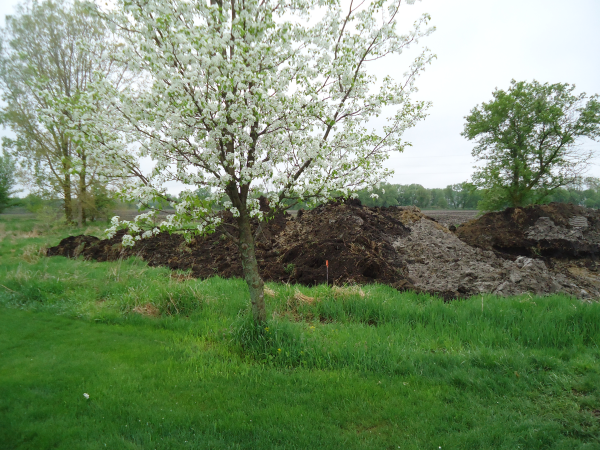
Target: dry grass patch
{"x": 147, "y": 309}
{"x": 32, "y": 253}
{"x": 270, "y": 292}
{"x": 299, "y": 296}
{"x": 181, "y": 276}
{"x": 346, "y": 291}
{"x": 293, "y": 307}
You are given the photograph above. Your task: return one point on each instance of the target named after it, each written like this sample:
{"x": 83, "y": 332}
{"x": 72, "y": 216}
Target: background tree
{"x": 254, "y": 96}
{"x": 462, "y": 196}
{"x": 527, "y": 138}
{"x": 49, "y": 52}
{"x": 438, "y": 199}
{"x": 386, "y": 195}
{"x": 7, "y": 180}
{"x": 413, "y": 195}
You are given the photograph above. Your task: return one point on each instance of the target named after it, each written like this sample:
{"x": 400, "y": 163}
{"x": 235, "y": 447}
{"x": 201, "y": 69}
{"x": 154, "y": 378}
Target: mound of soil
{"x": 565, "y": 237}
{"x": 557, "y": 230}
{"x": 73, "y": 246}
{"x": 439, "y": 262}
{"x": 357, "y": 242}
{"x": 397, "y": 246}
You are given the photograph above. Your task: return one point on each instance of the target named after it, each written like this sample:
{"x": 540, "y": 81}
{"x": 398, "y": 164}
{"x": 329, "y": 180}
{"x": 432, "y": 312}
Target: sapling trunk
{"x": 68, "y": 200}
{"x": 250, "y": 269}
{"x": 82, "y": 192}
{"x": 66, "y": 183}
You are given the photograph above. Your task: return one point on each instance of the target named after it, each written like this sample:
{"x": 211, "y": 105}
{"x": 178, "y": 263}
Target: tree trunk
{"x": 250, "y": 268}
{"x": 83, "y": 203}
{"x": 79, "y": 214}
{"x": 82, "y": 193}
{"x": 66, "y": 162}
{"x": 68, "y": 201}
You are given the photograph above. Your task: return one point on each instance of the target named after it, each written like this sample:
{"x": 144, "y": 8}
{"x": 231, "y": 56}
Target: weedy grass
{"x": 171, "y": 362}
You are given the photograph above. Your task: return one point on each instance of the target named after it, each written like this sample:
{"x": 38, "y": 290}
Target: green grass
{"x": 354, "y": 368}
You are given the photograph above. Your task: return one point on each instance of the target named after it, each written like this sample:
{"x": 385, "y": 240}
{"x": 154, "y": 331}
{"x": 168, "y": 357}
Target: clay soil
{"x": 540, "y": 250}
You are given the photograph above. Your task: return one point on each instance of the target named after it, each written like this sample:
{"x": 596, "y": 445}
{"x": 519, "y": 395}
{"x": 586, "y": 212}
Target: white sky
{"x": 481, "y": 45}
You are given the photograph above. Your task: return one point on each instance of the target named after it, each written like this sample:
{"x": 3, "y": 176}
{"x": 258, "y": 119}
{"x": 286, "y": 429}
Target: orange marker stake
{"x": 327, "y": 265}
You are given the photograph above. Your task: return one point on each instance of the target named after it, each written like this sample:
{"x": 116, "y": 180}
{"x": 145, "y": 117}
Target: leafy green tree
{"x": 438, "y": 199}
{"x": 7, "y": 180}
{"x": 34, "y": 203}
{"x": 583, "y": 192}
{"x": 450, "y": 196}
{"x": 49, "y": 53}
{"x": 101, "y": 201}
{"x": 413, "y": 195}
{"x": 462, "y": 195}
{"x": 385, "y": 195}
{"x": 527, "y": 139}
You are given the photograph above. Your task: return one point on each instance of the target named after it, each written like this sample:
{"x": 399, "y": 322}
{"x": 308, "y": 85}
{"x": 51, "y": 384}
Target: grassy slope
{"x": 387, "y": 370}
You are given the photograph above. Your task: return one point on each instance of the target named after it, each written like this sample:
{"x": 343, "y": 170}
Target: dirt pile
{"x": 565, "y": 237}
{"x": 357, "y": 242}
{"x": 557, "y": 230}
{"x": 439, "y": 262}
{"x": 398, "y": 246}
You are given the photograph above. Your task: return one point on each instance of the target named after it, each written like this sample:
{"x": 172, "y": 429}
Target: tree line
{"x": 583, "y": 192}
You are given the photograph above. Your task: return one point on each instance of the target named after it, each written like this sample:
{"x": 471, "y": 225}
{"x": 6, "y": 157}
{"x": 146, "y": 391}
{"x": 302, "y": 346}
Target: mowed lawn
{"x": 170, "y": 362}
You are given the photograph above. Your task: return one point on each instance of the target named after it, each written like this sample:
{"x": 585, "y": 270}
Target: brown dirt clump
{"x": 357, "y": 241}
{"x": 72, "y": 246}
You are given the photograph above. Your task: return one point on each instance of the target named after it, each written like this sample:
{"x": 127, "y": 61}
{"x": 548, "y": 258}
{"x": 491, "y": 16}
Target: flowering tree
{"x": 252, "y": 95}
{"x": 44, "y": 70}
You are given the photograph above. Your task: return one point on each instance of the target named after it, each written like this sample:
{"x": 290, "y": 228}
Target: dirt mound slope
{"x": 557, "y": 230}
{"x": 357, "y": 242}
{"x": 397, "y": 246}
{"x": 440, "y": 263}
{"x": 73, "y": 246}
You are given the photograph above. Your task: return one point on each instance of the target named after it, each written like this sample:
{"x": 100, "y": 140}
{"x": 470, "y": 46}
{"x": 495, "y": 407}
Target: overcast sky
{"x": 481, "y": 45}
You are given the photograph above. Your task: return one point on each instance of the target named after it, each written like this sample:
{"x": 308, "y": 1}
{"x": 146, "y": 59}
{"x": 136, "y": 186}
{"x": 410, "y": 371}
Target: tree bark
{"x": 66, "y": 163}
{"x": 250, "y": 269}
{"x": 68, "y": 201}
{"x": 83, "y": 192}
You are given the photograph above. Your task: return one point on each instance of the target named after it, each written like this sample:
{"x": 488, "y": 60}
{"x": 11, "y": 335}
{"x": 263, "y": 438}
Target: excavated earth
{"x": 540, "y": 250}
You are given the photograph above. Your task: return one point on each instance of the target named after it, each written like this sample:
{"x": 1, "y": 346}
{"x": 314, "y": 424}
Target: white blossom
{"x": 263, "y": 100}
{"x": 128, "y": 240}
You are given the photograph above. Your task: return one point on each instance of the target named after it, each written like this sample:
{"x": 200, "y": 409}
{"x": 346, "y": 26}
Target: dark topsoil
{"x": 397, "y": 246}
{"x": 357, "y": 242}
{"x": 572, "y": 231}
